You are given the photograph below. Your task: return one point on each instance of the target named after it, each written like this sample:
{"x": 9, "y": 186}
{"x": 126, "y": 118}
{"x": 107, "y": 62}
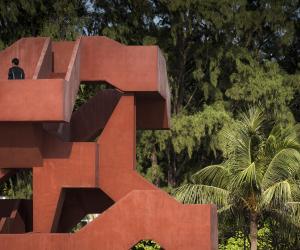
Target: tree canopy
{"x": 223, "y": 57}
{"x": 260, "y": 173}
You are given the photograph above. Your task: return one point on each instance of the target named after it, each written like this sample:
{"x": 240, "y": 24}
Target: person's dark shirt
{"x": 16, "y": 72}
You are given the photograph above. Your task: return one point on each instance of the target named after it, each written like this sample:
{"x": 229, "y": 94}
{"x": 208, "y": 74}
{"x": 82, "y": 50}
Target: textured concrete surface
{"x": 138, "y": 69}
{"x": 84, "y": 161}
{"x": 139, "y": 215}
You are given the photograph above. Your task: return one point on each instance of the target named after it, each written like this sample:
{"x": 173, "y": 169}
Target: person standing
{"x": 15, "y": 72}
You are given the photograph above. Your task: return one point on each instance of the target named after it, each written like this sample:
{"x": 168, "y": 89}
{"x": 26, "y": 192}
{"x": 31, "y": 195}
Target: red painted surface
{"x": 136, "y": 65}
{"x": 44, "y": 65}
{"x": 117, "y": 152}
{"x": 84, "y": 161}
{"x": 65, "y": 165}
{"x": 140, "y": 69}
{"x": 28, "y": 50}
{"x": 139, "y": 215}
{"x": 20, "y": 145}
{"x": 30, "y": 100}
{"x": 15, "y": 216}
{"x": 62, "y": 52}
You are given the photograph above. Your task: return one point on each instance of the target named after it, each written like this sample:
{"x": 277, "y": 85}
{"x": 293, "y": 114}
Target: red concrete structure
{"x": 83, "y": 161}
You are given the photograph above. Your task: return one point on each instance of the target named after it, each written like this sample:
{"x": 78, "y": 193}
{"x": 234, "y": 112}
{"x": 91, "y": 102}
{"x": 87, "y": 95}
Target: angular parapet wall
{"x": 59, "y": 67}
{"x": 83, "y": 161}
{"x": 28, "y": 50}
{"x": 139, "y": 215}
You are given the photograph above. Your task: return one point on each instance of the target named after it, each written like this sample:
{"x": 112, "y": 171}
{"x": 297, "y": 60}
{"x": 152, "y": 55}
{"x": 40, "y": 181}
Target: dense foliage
{"x": 223, "y": 56}
{"x": 19, "y": 186}
{"x": 260, "y": 174}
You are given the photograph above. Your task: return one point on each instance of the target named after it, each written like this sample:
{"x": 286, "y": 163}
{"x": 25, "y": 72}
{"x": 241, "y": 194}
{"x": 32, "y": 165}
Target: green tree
{"x": 17, "y": 20}
{"x": 57, "y": 19}
{"x": 261, "y": 173}
{"x": 221, "y": 55}
{"x": 174, "y": 151}
{"x": 146, "y": 245}
{"x": 18, "y": 186}
{"x": 217, "y": 51}
{"x": 63, "y": 20}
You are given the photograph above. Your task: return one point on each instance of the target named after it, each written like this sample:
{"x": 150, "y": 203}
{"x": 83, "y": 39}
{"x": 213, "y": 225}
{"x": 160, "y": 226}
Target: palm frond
{"x": 297, "y": 131}
{"x": 214, "y": 175}
{"x": 288, "y": 217}
{"x": 277, "y": 195}
{"x": 202, "y": 194}
{"x": 282, "y": 138}
{"x": 252, "y": 119}
{"x": 243, "y": 150}
{"x": 294, "y": 212}
{"x": 284, "y": 165}
{"x": 224, "y": 209}
{"x": 295, "y": 186}
{"x": 247, "y": 178}
{"x": 246, "y": 136}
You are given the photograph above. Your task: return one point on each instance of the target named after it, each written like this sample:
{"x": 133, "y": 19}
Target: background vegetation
{"x": 223, "y": 57}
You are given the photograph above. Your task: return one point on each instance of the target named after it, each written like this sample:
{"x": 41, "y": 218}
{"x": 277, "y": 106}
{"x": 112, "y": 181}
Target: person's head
{"x": 15, "y": 61}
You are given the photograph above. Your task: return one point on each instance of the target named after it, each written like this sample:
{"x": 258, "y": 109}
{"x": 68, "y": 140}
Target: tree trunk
{"x": 253, "y": 231}
{"x": 245, "y": 237}
{"x": 154, "y": 165}
{"x": 172, "y": 170}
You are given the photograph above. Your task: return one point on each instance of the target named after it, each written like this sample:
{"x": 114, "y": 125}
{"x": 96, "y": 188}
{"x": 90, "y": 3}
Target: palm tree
{"x": 261, "y": 173}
